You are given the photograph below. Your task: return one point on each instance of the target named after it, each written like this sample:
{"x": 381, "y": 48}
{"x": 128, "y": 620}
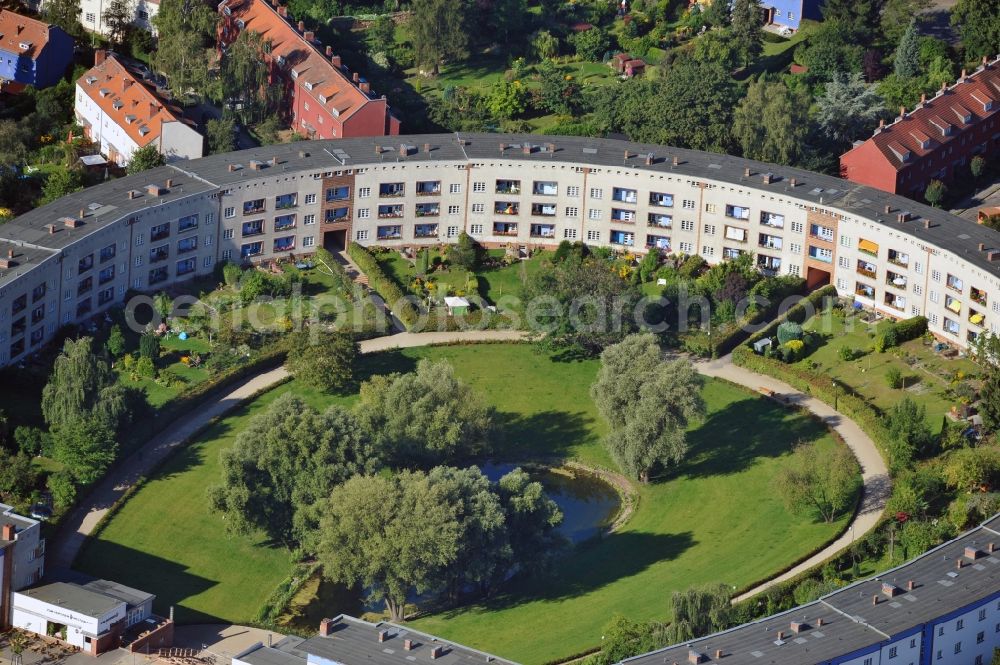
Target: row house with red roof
{"x": 121, "y": 114}
{"x": 323, "y": 99}
{"x": 934, "y": 141}
{"x": 32, "y": 52}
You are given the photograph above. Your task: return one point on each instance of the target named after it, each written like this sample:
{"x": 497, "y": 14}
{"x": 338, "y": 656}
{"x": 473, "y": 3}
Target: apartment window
{"x": 138, "y": 261}
{"x": 593, "y": 236}
{"x": 933, "y": 318}
{"x": 982, "y": 615}
{"x": 686, "y": 247}
{"x": 708, "y": 250}
{"x": 845, "y": 241}
{"x": 478, "y": 208}
{"x": 868, "y": 661}
{"x": 793, "y": 270}
{"x": 687, "y": 225}
{"x": 452, "y": 232}
{"x": 139, "y": 239}
{"x": 687, "y": 204}
{"x": 935, "y": 297}
{"x": 892, "y": 652}
{"x": 363, "y": 213}
{"x": 594, "y": 214}
{"x": 918, "y": 290}
{"x": 227, "y": 234}
{"x": 230, "y": 212}
{"x": 936, "y": 275}
{"x": 89, "y": 16}
{"x": 455, "y": 188}
{"x": 479, "y": 187}
{"x": 841, "y": 284}
{"x": 187, "y": 223}
{"x": 710, "y": 229}
{"x": 958, "y": 647}
{"x": 227, "y": 254}
{"x": 710, "y": 207}
{"x": 362, "y": 234}
{"x": 797, "y": 227}
{"x": 795, "y": 248}
{"x": 186, "y": 266}
{"x": 453, "y": 210}
{"x": 308, "y": 241}
{"x": 572, "y": 211}
{"x": 980, "y": 637}
{"x": 207, "y": 262}
{"x": 572, "y": 191}
{"x": 960, "y": 624}
{"x": 363, "y": 192}
{"x": 843, "y": 262}
{"x": 596, "y": 193}
{"x": 476, "y": 229}
{"x": 108, "y": 253}
{"x": 569, "y": 234}
{"x": 310, "y": 219}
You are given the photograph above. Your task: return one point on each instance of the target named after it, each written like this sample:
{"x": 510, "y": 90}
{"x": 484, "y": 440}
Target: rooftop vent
{"x": 154, "y": 190}
{"x": 972, "y": 553}
{"x": 890, "y": 590}
{"x": 51, "y": 228}
{"x": 768, "y": 177}
{"x": 437, "y": 652}
{"x": 70, "y": 222}
{"x": 799, "y": 626}
{"x": 696, "y": 657}
{"x": 256, "y": 165}
{"x": 133, "y": 193}
{"x": 408, "y": 645}
{"x": 746, "y": 172}
{"x": 326, "y": 627}
{"x": 383, "y": 635}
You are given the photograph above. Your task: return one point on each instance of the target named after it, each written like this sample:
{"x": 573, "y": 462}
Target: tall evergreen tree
{"x": 747, "y": 29}
{"x": 906, "y": 62}
{"x": 848, "y": 109}
{"x": 438, "y": 31}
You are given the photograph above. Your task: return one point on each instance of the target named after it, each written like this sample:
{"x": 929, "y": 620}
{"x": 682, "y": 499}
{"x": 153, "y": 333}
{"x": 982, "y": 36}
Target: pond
{"x": 589, "y": 505}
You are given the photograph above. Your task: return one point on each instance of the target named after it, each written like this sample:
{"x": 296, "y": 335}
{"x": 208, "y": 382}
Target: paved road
{"x": 81, "y": 522}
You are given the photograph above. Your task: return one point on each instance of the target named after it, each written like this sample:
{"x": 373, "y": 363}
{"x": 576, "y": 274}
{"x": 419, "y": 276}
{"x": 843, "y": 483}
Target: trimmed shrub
{"x": 788, "y": 331}
{"x": 893, "y": 378}
{"x": 911, "y": 328}
{"x": 384, "y": 285}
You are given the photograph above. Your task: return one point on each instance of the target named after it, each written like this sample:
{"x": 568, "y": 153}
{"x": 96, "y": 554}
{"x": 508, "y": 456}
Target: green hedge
{"x": 730, "y": 341}
{"x": 384, "y": 285}
{"x": 797, "y": 313}
{"x": 895, "y": 333}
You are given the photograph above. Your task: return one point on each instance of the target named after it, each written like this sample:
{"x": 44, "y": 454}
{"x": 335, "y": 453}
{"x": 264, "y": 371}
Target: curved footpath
{"x": 82, "y": 521}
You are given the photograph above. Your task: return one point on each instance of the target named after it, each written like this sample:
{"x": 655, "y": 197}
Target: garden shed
{"x": 456, "y": 305}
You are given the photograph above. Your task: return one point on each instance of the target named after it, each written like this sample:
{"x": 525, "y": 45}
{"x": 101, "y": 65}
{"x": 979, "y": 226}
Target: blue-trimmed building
{"x": 789, "y": 13}
{"x": 32, "y": 52}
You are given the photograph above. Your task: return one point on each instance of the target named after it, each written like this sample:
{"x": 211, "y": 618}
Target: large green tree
{"x": 60, "y": 182}
{"x": 17, "y": 476}
{"x": 65, "y": 14}
{"x": 391, "y": 535}
{"x": 532, "y": 520}
{"x": 145, "y": 158}
{"x": 699, "y": 611}
{"x": 771, "y": 124}
{"x": 117, "y": 17}
{"x": 909, "y": 434}
{"x": 830, "y": 50}
{"x": 221, "y": 135}
{"x": 747, "y": 29}
{"x": 246, "y": 81}
{"x": 82, "y": 385}
{"x": 425, "y": 417}
{"x": 978, "y": 24}
{"x": 824, "y": 484}
{"x": 322, "y": 360}
{"x": 648, "y": 404}
{"x": 185, "y": 41}
{"x": 86, "y": 447}
{"x": 438, "y": 32}
{"x": 848, "y": 109}
{"x": 906, "y": 61}
{"x": 280, "y": 471}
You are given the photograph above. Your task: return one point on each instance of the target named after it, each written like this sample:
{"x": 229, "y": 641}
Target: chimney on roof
{"x": 10, "y": 253}
{"x": 526, "y": 148}
{"x": 794, "y": 182}
{"x": 993, "y": 255}
{"x": 20, "y": 27}
{"x": 302, "y": 26}
{"x": 781, "y": 634}
{"x": 676, "y": 161}
{"x": 910, "y": 584}
{"x": 889, "y": 589}
{"x": 169, "y": 183}
{"x": 335, "y": 59}
{"x": 982, "y": 247}
{"x": 231, "y": 167}
{"x": 962, "y": 77}
{"x": 819, "y": 622}
{"x": 503, "y": 146}
{"x": 437, "y": 652}
{"x": 768, "y": 178}
{"x": 902, "y": 112}
{"x": 990, "y": 547}
{"x": 70, "y": 222}
{"x": 154, "y": 190}
{"x": 383, "y": 635}
{"x": 718, "y": 654}
{"x": 427, "y": 147}
{"x": 695, "y": 657}
{"x": 132, "y": 194}
{"x": 365, "y": 86}
{"x": 627, "y": 155}
{"x": 927, "y": 223}
{"x": 923, "y": 98}
{"x": 356, "y": 78}
{"x": 404, "y": 150}
{"x": 746, "y": 172}
{"x": 329, "y": 50}
{"x": 283, "y": 11}
{"x": 83, "y": 213}
{"x": 875, "y": 599}
{"x": 99, "y": 56}
{"x": 888, "y": 208}
{"x": 51, "y": 228}
{"x": 972, "y": 552}
{"x": 901, "y": 217}
{"x": 959, "y": 564}
{"x": 797, "y": 627}
{"x": 407, "y": 645}
{"x": 309, "y": 35}
{"x": 9, "y": 531}
{"x": 649, "y": 159}
{"x": 303, "y": 154}
{"x": 325, "y": 627}
{"x": 944, "y": 86}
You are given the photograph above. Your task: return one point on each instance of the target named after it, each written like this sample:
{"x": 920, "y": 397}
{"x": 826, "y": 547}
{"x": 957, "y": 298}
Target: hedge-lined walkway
{"x": 874, "y": 473}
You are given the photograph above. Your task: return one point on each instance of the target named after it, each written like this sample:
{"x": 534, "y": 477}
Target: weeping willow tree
{"x": 246, "y": 80}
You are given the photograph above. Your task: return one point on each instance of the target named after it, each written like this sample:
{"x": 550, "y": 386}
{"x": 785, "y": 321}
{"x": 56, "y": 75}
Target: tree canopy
{"x": 772, "y": 124}
{"x": 145, "y": 158}
{"x": 438, "y": 31}
{"x": 321, "y": 359}
{"x": 647, "y": 402}
{"x": 425, "y": 417}
{"x": 282, "y": 468}
{"x": 82, "y": 385}
{"x": 824, "y": 484}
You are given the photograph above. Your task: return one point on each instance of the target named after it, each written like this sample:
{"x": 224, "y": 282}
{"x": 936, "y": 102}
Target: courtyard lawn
{"x": 926, "y": 380}
{"x": 716, "y": 518}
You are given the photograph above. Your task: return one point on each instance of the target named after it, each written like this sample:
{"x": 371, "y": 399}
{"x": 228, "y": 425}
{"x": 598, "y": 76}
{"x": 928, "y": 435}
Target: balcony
{"x": 768, "y": 265}
{"x": 284, "y": 222}
{"x": 251, "y": 249}
{"x": 285, "y": 244}
{"x": 107, "y": 254}
{"x": 19, "y": 304}
{"x": 823, "y": 233}
{"x": 334, "y": 215}
{"x": 506, "y": 208}
{"x": 736, "y": 234}
{"x": 821, "y": 254}
{"x": 975, "y": 317}
{"x": 769, "y": 242}
{"x": 543, "y": 209}
{"x": 953, "y": 304}
{"x": 392, "y": 190}
{"x": 390, "y": 212}
{"x": 625, "y": 238}
{"x": 187, "y": 245}
{"x": 186, "y": 267}
{"x": 338, "y": 194}
{"x": 950, "y": 327}
{"x": 18, "y": 328}
{"x": 158, "y": 254}
{"x": 955, "y": 284}
{"x": 659, "y": 221}
{"x": 868, "y": 247}
{"x": 899, "y": 258}
{"x": 864, "y": 291}
{"x": 623, "y": 216}
{"x": 285, "y": 201}
{"x": 429, "y": 188}
{"x": 38, "y": 316}
{"x": 254, "y": 228}
{"x": 425, "y": 231}
{"x": 867, "y": 269}
{"x": 624, "y": 195}
{"x": 894, "y": 301}
{"x": 774, "y": 220}
{"x": 738, "y": 212}
{"x": 389, "y": 233}
{"x": 428, "y": 210}
{"x": 504, "y": 229}
{"x": 978, "y": 296}
{"x": 508, "y": 187}
{"x": 895, "y": 279}
{"x": 544, "y": 188}
{"x": 661, "y": 243}
{"x": 106, "y": 275}
{"x": 661, "y": 200}
{"x": 158, "y": 275}
{"x": 161, "y": 232}
{"x": 547, "y": 231}
{"x": 253, "y": 207}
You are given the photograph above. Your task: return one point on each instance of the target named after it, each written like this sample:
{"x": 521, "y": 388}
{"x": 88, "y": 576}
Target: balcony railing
{"x": 866, "y": 272}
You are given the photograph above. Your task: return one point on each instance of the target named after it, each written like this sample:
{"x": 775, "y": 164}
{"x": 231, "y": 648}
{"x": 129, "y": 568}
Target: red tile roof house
{"x": 323, "y": 99}
{"x": 935, "y": 141}
{"x": 122, "y": 115}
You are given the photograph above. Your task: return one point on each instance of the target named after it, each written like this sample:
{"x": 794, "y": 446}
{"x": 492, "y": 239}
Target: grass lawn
{"x": 694, "y": 527}
{"x": 926, "y": 380}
